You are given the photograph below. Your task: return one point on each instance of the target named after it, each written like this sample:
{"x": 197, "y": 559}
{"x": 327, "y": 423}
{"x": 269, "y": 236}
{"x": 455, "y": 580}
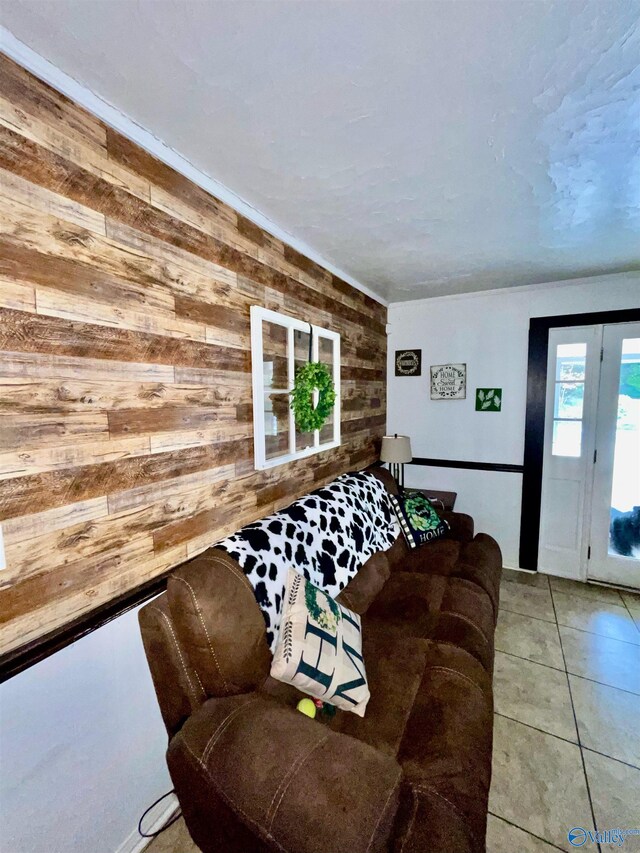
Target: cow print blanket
{"x": 326, "y": 536}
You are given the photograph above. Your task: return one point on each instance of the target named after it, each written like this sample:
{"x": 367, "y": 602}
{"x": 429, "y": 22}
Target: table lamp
{"x": 396, "y": 450}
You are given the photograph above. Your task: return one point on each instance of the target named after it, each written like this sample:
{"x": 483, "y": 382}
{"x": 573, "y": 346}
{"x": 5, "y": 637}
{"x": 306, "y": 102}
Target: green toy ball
{"x": 306, "y": 706}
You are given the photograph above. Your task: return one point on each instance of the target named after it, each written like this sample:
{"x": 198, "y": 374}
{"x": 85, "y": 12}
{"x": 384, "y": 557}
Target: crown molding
{"x": 111, "y": 115}
{"x": 520, "y": 288}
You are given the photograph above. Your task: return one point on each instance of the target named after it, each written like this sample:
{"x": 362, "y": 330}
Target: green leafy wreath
{"x": 312, "y": 376}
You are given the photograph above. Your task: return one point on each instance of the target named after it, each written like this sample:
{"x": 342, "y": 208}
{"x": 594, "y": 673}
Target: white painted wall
{"x": 82, "y": 747}
{"x": 489, "y": 332}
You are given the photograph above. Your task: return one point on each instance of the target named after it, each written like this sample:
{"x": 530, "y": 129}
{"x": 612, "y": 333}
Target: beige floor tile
{"x": 527, "y": 600}
{"x": 502, "y": 837}
{"x": 176, "y": 839}
{"x": 538, "y": 782}
{"x": 586, "y": 590}
{"x": 608, "y": 719}
{"x": 535, "y": 579}
{"x": 598, "y": 617}
{"x": 631, "y": 599}
{"x": 533, "y": 694}
{"x": 615, "y": 794}
{"x": 632, "y": 602}
{"x": 529, "y": 638}
{"x": 605, "y": 660}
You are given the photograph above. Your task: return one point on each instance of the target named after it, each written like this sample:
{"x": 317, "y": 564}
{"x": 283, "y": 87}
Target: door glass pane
{"x": 567, "y": 438}
{"x": 624, "y": 532}
{"x": 570, "y": 362}
{"x": 569, "y": 400}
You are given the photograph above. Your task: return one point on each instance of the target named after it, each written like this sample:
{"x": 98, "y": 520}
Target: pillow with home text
{"x": 319, "y": 648}
{"x": 418, "y": 519}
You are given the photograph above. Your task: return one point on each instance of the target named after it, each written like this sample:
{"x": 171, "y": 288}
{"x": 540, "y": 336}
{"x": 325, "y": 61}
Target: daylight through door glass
{"x": 625, "y": 493}
{"x": 569, "y": 399}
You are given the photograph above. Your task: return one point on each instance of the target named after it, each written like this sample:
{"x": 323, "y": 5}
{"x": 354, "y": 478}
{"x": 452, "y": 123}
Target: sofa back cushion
{"x": 397, "y": 554}
{"x": 219, "y": 625}
{"x": 174, "y": 679}
{"x": 359, "y": 593}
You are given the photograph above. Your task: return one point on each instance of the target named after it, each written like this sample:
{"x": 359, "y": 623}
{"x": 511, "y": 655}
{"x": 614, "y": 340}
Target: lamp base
{"x": 397, "y": 472}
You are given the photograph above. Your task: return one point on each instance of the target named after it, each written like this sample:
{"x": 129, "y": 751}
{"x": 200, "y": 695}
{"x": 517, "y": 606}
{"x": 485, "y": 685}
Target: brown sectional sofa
{"x": 253, "y": 774}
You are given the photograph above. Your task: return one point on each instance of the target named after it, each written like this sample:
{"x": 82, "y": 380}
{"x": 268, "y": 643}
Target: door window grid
{"x": 569, "y": 399}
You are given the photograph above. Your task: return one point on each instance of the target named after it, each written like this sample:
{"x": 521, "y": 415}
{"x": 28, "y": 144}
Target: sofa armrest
{"x": 460, "y": 524}
{"x": 253, "y": 774}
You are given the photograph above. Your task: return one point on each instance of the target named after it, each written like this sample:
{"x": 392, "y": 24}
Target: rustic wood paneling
{"x": 125, "y": 385}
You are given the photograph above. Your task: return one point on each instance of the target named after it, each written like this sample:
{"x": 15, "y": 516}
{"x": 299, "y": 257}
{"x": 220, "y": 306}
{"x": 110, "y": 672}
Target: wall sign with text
{"x": 408, "y": 362}
{"x": 448, "y": 381}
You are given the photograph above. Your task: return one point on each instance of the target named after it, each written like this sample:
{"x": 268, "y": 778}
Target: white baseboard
{"x": 518, "y": 569}
{"x": 134, "y": 843}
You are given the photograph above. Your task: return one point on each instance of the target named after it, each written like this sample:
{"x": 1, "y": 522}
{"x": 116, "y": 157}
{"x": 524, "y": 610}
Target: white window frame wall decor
{"x": 259, "y": 316}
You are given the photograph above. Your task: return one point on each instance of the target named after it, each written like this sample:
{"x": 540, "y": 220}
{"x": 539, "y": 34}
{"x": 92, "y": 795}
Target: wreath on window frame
{"x": 312, "y": 377}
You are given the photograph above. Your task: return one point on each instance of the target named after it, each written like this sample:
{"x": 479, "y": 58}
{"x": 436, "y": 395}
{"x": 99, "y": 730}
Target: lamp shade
{"x": 396, "y": 448}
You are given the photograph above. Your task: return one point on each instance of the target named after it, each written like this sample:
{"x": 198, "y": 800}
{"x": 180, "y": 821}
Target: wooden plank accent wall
{"x": 125, "y": 384}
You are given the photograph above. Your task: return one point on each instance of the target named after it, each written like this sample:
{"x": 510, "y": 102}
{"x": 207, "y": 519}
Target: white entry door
{"x": 590, "y": 509}
{"x": 572, "y": 377}
{"x": 615, "y": 506}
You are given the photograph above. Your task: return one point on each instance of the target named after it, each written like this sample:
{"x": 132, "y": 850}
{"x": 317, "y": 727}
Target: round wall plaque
{"x": 408, "y": 362}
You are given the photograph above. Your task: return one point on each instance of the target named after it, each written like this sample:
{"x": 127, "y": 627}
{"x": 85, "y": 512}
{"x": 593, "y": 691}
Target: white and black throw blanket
{"x": 325, "y": 536}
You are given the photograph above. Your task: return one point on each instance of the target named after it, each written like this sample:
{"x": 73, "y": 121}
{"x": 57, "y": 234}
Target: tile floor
{"x": 567, "y": 715}
{"x": 567, "y": 718}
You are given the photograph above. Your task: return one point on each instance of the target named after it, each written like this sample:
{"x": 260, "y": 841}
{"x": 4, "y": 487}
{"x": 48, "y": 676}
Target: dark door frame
{"x": 534, "y": 425}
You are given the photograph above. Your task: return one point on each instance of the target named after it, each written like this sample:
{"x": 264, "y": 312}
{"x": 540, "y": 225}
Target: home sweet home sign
{"x": 448, "y": 381}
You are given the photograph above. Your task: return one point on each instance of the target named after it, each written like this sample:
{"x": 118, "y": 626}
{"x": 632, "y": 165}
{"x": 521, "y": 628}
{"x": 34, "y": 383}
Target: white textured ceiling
{"x": 423, "y": 147}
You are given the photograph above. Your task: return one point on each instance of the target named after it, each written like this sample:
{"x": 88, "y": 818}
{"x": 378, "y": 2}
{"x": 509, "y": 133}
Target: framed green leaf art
{"x": 488, "y": 399}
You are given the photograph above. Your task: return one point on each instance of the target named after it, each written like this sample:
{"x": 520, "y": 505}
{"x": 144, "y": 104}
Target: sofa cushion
{"x": 450, "y": 610}
{"x": 481, "y": 562}
{"x": 409, "y": 597}
{"x": 397, "y": 553}
{"x": 319, "y": 648}
{"x": 252, "y": 774}
{"x": 466, "y": 620}
{"x": 218, "y": 624}
{"x": 446, "y": 748}
{"x": 438, "y": 558}
{"x": 395, "y": 665}
{"x": 461, "y": 526}
{"x": 360, "y": 592}
{"x": 175, "y": 681}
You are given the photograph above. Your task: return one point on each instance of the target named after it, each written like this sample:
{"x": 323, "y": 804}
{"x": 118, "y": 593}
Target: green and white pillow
{"x": 319, "y": 649}
{"x": 418, "y": 519}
